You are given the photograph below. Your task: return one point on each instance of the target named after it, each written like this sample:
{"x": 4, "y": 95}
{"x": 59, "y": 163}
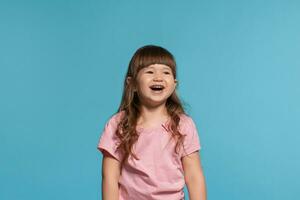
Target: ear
{"x": 176, "y": 83}
{"x": 128, "y": 80}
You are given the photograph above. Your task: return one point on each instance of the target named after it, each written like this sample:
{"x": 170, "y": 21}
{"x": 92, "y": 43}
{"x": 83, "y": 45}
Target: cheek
{"x": 172, "y": 88}
{"x": 142, "y": 84}
{"x": 172, "y": 83}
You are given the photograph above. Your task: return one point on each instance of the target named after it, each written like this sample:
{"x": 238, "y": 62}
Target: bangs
{"x": 150, "y": 55}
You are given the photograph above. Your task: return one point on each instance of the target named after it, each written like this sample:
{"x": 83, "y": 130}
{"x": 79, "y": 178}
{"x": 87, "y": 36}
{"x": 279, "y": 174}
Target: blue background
{"x": 62, "y": 69}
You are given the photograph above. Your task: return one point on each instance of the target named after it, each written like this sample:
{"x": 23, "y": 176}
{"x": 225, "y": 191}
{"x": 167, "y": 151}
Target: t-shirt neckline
{"x": 161, "y": 126}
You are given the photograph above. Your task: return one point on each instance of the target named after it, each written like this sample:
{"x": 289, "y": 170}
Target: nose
{"x": 157, "y": 77}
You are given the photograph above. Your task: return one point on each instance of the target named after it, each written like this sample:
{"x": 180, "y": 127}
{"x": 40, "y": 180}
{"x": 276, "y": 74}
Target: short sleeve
{"x": 109, "y": 141}
{"x": 191, "y": 142}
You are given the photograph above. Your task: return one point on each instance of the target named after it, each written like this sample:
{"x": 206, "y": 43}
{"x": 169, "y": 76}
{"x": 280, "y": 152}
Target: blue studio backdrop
{"x": 62, "y": 65}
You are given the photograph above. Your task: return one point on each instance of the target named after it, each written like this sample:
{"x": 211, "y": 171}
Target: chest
{"x": 157, "y": 149}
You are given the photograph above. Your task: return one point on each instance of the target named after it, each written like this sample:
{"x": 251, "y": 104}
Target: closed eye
{"x": 149, "y": 72}
{"x": 167, "y": 73}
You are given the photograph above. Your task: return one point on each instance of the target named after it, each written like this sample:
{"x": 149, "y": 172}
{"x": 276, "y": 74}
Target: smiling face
{"x": 155, "y": 84}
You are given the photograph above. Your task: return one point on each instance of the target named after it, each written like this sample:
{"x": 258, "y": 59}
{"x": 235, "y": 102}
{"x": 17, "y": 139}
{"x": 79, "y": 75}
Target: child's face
{"x": 155, "y": 84}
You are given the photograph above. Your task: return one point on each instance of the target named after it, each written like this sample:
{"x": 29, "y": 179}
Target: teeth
{"x": 157, "y": 86}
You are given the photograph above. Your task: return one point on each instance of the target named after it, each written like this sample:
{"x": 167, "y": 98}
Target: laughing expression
{"x": 155, "y": 84}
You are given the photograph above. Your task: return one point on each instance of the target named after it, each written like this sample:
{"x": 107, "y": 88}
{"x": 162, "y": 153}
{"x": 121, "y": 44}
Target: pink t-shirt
{"x": 158, "y": 175}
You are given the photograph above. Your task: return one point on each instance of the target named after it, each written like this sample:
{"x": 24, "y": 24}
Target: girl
{"x": 150, "y": 146}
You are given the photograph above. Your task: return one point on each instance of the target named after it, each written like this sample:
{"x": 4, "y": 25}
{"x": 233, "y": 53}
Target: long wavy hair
{"x": 130, "y": 105}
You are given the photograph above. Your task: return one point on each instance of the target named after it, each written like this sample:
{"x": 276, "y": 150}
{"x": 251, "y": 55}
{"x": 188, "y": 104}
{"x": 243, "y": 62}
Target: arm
{"x": 110, "y": 178}
{"x": 194, "y": 177}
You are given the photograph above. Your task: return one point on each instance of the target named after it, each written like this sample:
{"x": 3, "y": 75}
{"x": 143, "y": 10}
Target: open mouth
{"x": 157, "y": 87}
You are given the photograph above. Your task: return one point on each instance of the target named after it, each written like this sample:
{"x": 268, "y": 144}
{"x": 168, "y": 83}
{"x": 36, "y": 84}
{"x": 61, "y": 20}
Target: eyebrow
{"x": 169, "y": 68}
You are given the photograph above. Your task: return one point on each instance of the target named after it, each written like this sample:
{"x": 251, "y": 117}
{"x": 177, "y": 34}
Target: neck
{"x": 153, "y": 114}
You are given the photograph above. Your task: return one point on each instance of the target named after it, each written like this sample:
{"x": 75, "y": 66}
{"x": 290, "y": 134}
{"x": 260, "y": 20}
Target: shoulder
{"x": 186, "y": 123}
{"x": 115, "y": 119}
{"x": 185, "y": 119}
{"x": 191, "y": 138}
{"x": 110, "y": 128}
{"x": 109, "y": 140}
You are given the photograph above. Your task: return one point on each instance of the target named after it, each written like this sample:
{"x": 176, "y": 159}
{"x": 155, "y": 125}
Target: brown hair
{"x": 126, "y": 131}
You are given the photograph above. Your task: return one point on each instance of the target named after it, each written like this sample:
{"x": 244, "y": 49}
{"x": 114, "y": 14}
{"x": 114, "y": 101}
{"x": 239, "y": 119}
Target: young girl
{"x": 150, "y": 146}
